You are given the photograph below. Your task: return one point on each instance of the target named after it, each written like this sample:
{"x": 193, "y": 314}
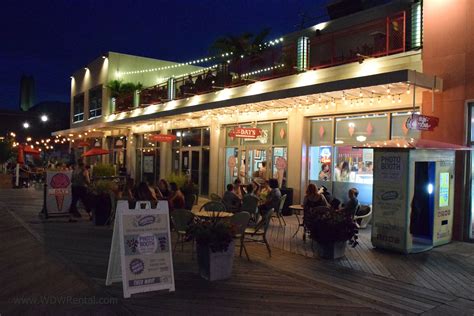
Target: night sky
{"x": 50, "y": 39}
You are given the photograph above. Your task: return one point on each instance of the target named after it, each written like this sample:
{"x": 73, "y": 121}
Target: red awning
{"x": 95, "y": 152}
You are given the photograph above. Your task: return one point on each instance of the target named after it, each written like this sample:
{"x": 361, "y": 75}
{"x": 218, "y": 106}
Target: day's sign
{"x": 140, "y": 254}
{"x": 245, "y": 132}
{"x": 422, "y": 122}
{"x": 58, "y": 194}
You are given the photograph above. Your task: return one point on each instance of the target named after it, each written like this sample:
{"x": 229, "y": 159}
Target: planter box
{"x": 215, "y": 265}
{"x": 331, "y": 250}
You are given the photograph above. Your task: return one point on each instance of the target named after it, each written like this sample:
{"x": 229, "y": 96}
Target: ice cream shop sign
{"x": 422, "y": 122}
{"x": 245, "y": 132}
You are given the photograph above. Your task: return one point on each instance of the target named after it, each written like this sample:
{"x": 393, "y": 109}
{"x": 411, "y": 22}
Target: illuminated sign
{"x": 245, "y": 132}
{"x": 443, "y": 189}
{"x": 422, "y": 122}
{"x": 164, "y": 138}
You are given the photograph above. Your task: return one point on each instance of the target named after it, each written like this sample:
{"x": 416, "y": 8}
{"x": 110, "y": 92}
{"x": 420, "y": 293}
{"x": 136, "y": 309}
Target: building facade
{"x": 300, "y": 111}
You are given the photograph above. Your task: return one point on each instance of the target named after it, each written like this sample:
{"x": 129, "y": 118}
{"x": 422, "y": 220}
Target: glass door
{"x": 191, "y": 166}
{"x": 258, "y": 164}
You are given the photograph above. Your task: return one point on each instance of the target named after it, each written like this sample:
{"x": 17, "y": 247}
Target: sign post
{"x": 140, "y": 254}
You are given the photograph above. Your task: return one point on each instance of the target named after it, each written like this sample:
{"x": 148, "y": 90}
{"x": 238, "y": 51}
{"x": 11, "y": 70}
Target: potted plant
{"x": 214, "y": 248}
{"x": 331, "y": 230}
{"x": 102, "y": 200}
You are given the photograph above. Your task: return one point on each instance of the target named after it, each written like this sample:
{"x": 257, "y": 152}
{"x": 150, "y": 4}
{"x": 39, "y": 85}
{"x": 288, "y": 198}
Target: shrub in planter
{"x": 332, "y": 230}
{"x": 103, "y": 170}
{"x": 214, "y": 248}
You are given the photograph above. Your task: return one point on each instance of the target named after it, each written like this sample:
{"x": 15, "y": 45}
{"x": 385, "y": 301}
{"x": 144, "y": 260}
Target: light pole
{"x": 44, "y": 118}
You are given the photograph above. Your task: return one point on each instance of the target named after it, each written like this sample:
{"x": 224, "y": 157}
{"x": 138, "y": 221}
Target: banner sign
{"x": 245, "y": 132}
{"x": 422, "y": 122}
{"x": 164, "y": 138}
{"x": 59, "y": 195}
{"x": 390, "y": 200}
{"x": 144, "y": 239}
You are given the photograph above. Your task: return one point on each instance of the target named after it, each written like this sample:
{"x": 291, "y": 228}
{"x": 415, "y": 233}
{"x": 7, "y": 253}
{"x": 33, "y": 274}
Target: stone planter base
{"x": 215, "y": 265}
{"x": 331, "y": 250}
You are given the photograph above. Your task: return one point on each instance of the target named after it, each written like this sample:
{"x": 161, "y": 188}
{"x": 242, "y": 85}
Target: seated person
{"x": 144, "y": 193}
{"x": 313, "y": 198}
{"x": 231, "y": 201}
{"x": 272, "y": 199}
{"x": 351, "y": 206}
{"x": 238, "y": 188}
{"x": 176, "y": 198}
{"x": 335, "y": 204}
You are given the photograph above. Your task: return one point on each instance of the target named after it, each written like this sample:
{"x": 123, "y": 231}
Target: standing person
{"x": 325, "y": 173}
{"x": 262, "y": 172}
{"x": 80, "y": 181}
{"x": 242, "y": 172}
{"x": 145, "y": 193}
{"x": 176, "y": 197}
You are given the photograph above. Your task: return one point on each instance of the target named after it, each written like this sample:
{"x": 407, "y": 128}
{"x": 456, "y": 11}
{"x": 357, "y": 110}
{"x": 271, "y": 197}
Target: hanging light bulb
{"x": 360, "y": 93}
{"x": 408, "y": 89}
{"x": 388, "y": 89}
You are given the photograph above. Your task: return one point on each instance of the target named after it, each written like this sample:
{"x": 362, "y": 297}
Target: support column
{"x": 298, "y": 133}
{"x": 215, "y": 157}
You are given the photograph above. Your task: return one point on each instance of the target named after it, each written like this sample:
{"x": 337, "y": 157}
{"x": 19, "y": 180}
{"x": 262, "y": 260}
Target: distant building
{"x": 27, "y": 92}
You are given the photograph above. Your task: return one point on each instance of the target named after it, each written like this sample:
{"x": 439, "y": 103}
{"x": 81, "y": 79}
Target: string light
{"x": 261, "y": 70}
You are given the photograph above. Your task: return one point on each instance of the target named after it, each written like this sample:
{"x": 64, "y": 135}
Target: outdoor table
{"x": 209, "y": 214}
{"x": 297, "y": 208}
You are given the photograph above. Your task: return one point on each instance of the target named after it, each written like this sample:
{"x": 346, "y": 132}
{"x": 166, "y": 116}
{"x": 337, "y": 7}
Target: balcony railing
{"x": 372, "y": 39}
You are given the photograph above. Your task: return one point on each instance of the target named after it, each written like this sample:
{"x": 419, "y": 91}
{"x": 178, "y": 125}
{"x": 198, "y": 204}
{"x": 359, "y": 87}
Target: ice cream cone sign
{"x": 59, "y": 188}
{"x": 281, "y": 165}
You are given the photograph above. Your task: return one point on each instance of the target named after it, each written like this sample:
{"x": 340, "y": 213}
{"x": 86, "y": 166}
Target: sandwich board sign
{"x": 140, "y": 254}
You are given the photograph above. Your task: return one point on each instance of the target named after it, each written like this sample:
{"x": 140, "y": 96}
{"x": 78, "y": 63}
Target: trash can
{"x": 289, "y": 201}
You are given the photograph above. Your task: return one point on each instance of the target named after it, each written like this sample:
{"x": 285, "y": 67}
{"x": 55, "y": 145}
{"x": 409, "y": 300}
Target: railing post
{"x": 171, "y": 89}
{"x": 302, "y": 54}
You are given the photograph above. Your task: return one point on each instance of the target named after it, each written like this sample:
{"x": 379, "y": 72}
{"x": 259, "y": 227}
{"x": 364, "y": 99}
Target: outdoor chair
{"x": 363, "y": 220}
{"x": 241, "y": 221}
{"x": 250, "y": 204}
{"x": 259, "y": 232}
{"x": 213, "y": 206}
{"x": 215, "y": 197}
{"x": 181, "y": 220}
{"x": 279, "y": 212}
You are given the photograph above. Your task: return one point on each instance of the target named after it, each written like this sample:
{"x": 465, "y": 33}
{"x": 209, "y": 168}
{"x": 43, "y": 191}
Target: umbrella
{"x": 30, "y": 150}
{"x": 95, "y": 152}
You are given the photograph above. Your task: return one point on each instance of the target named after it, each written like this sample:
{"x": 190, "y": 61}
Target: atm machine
{"x": 413, "y": 193}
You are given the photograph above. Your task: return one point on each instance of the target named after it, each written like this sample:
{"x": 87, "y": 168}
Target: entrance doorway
{"x": 194, "y": 162}
{"x": 423, "y": 203}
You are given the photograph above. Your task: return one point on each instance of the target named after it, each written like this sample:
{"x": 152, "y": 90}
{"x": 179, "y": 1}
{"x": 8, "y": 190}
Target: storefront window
{"x": 191, "y": 137}
{"x": 399, "y": 129}
{"x": 321, "y": 132}
{"x": 280, "y": 133}
{"x": 206, "y": 136}
{"x": 359, "y": 129}
{"x": 230, "y": 141}
{"x": 280, "y": 163}
{"x": 231, "y": 155}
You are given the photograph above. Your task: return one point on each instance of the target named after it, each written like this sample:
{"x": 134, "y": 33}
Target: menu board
{"x": 145, "y": 249}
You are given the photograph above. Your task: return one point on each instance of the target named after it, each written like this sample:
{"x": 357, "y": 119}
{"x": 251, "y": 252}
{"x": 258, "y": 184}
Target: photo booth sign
{"x": 140, "y": 253}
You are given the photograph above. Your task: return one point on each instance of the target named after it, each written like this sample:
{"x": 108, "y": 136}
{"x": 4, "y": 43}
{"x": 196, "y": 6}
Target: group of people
{"x": 267, "y": 195}
{"x": 315, "y": 198}
{"x": 342, "y": 171}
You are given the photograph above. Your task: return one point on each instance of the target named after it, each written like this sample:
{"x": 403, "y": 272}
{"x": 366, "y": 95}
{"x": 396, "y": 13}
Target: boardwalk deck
{"x": 293, "y": 281}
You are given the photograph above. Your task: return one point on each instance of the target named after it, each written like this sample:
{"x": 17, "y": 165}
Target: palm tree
{"x": 243, "y": 45}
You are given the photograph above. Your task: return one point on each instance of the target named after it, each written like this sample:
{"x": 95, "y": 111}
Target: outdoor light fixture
{"x": 44, "y": 118}
{"x": 26, "y": 125}
{"x": 86, "y": 68}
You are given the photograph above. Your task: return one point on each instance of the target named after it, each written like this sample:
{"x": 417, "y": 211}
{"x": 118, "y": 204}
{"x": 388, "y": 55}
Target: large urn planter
{"x": 102, "y": 208}
{"x": 331, "y": 250}
{"x": 215, "y": 266}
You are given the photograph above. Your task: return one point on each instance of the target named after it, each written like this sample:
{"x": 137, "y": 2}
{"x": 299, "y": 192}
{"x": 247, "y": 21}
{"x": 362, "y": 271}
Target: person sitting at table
{"x": 335, "y": 205}
{"x": 313, "y": 198}
{"x": 238, "y": 188}
{"x": 176, "y": 197}
{"x": 272, "y": 199}
{"x": 231, "y": 201}
{"x": 351, "y": 206}
{"x": 144, "y": 193}
{"x": 164, "y": 188}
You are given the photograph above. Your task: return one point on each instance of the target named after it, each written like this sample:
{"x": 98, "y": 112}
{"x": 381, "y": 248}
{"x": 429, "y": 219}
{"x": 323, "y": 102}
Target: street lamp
{"x": 26, "y": 125}
{"x": 44, "y": 118}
